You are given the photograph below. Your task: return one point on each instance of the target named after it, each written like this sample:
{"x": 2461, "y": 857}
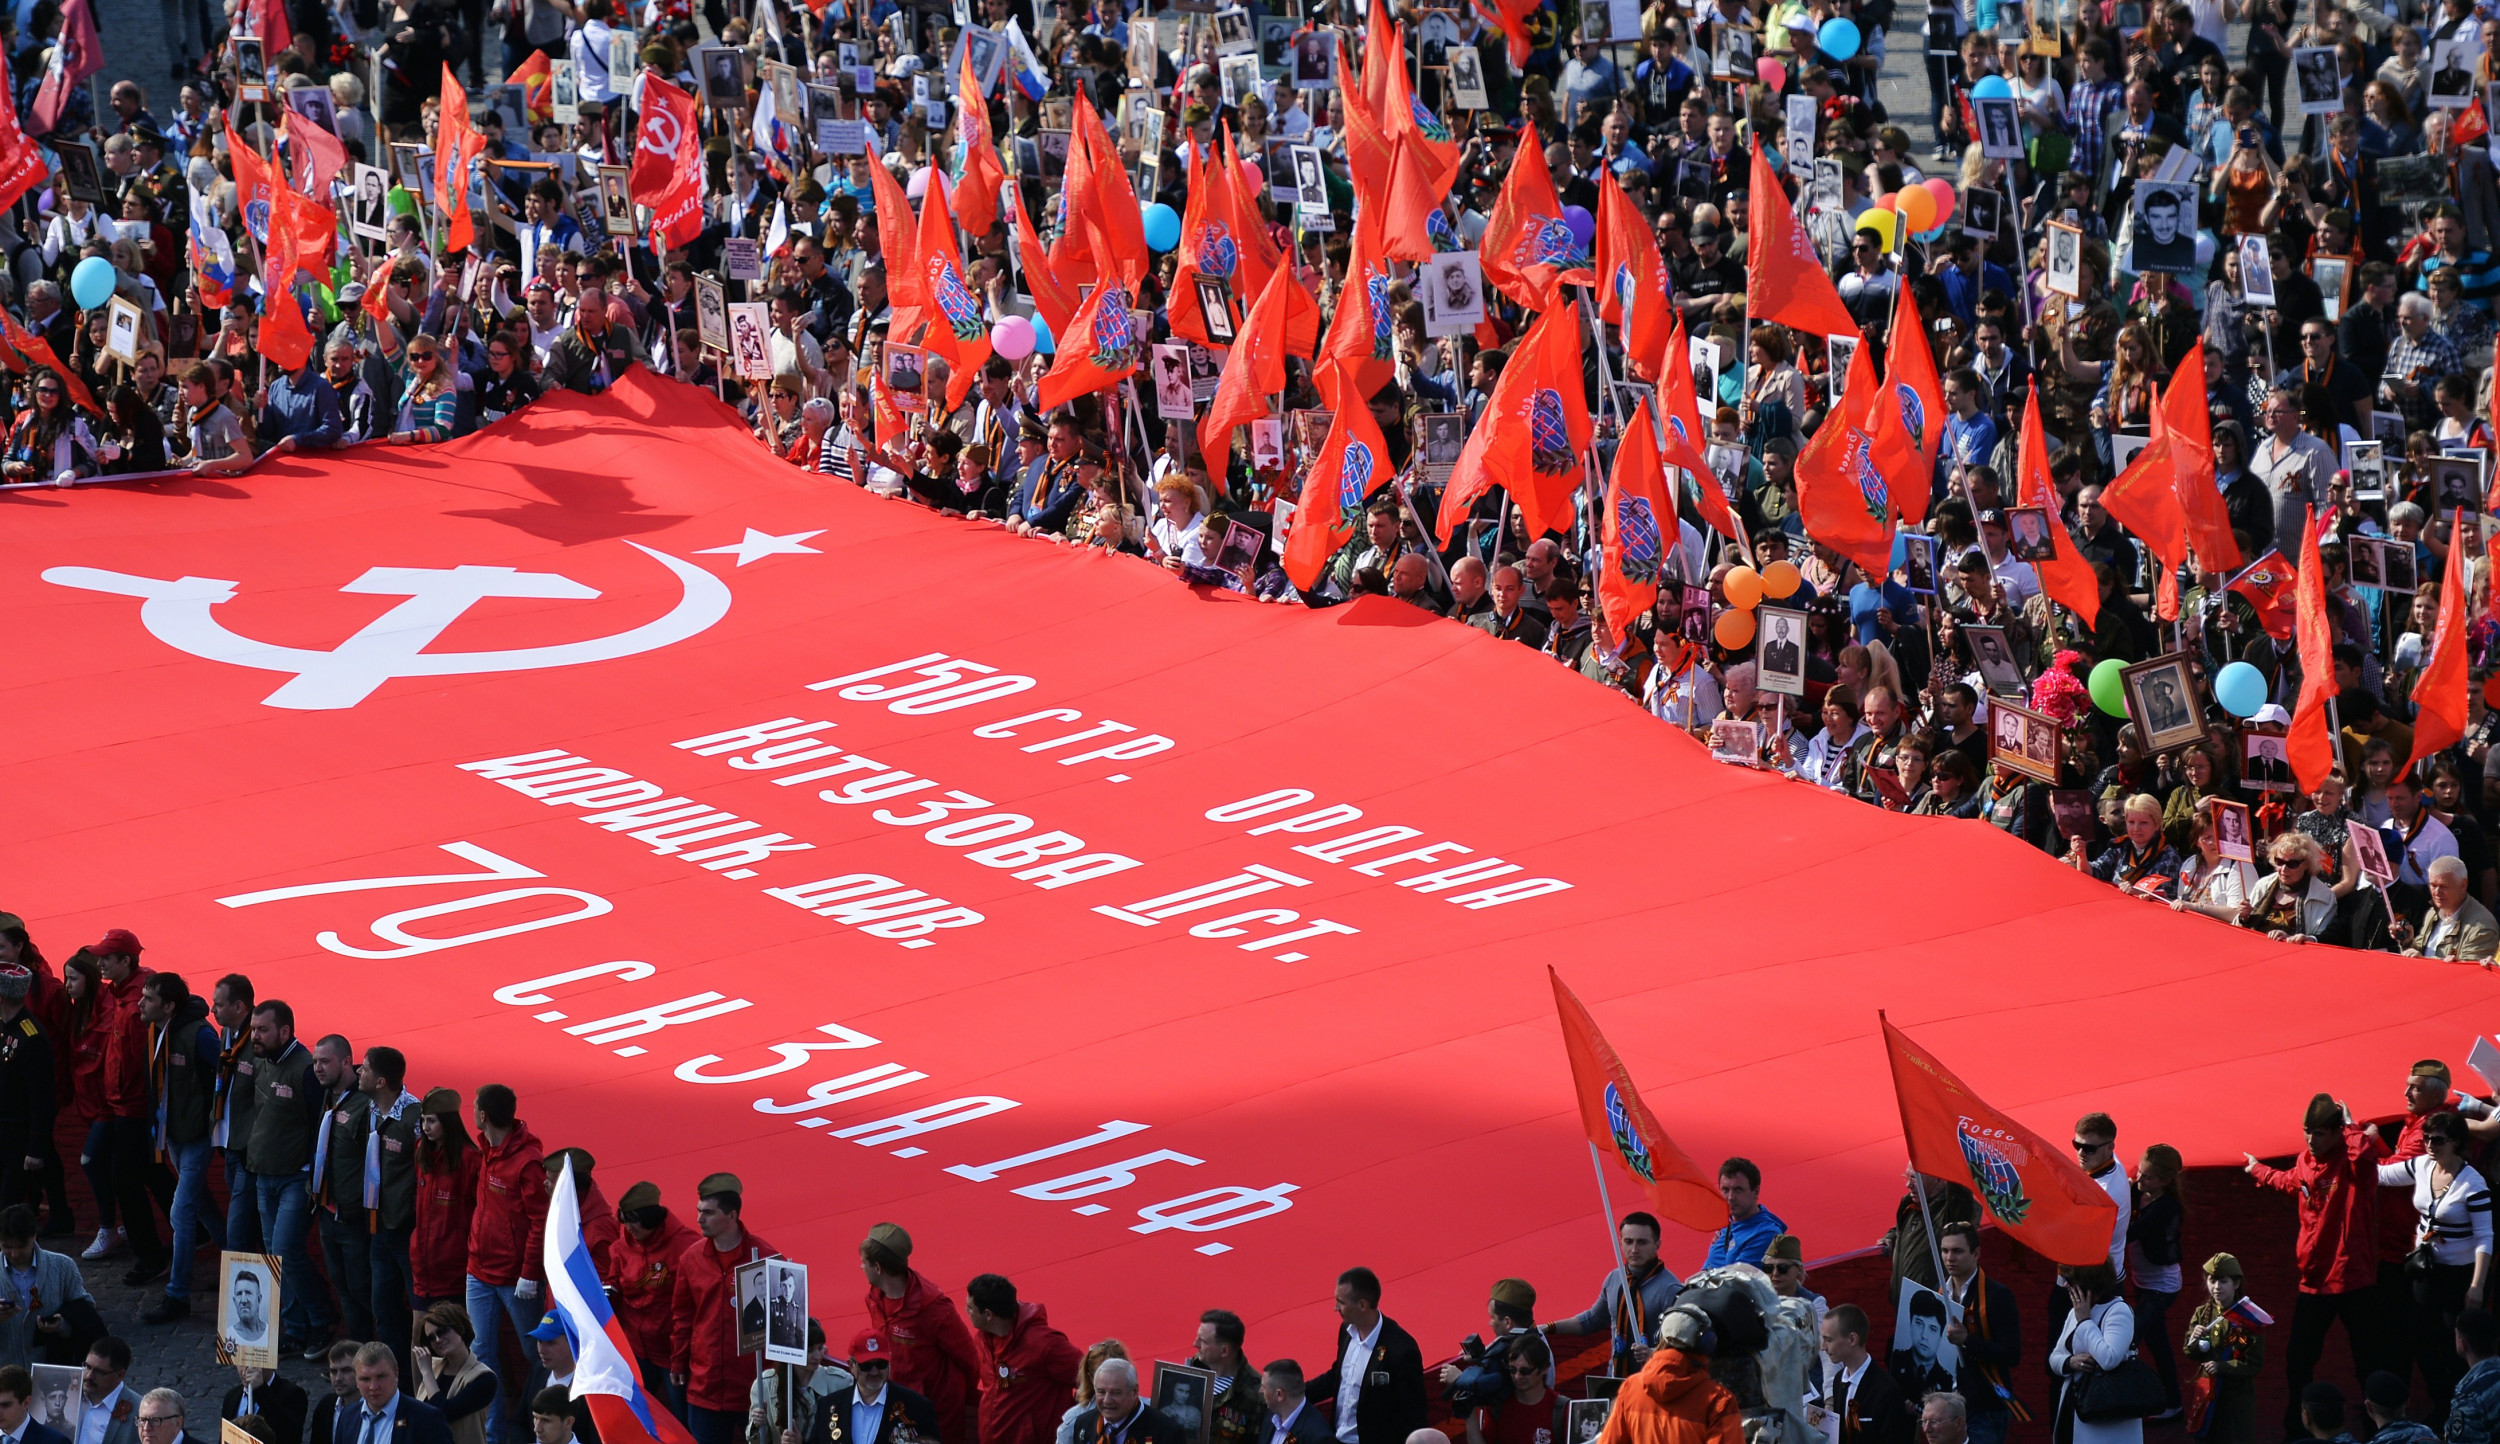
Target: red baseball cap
{"x": 871, "y": 1345}
{"x": 118, "y": 940}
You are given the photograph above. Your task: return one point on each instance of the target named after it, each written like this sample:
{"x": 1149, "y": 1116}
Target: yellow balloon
{"x": 1881, "y": 223}
{"x": 1780, "y": 580}
{"x": 1733, "y": 629}
{"x": 1743, "y": 587}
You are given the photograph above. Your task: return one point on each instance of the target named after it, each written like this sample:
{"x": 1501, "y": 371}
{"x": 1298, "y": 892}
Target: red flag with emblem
{"x": 1367, "y": 149}
{"x": 2311, "y": 745}
{"x": 253, "y": 185}
{"x": 1620, "y": 1126}
{"x": 2267, "y": 585}
{"x": 2036, "y": 1191}
{"x": 1910, "y": 379}
{"x": 2188, "y": 422}
{"x": 316, "y": 156}
{"x": 959, "y": 329}
{"x": 1529, "y": 251}
{"x": 976, "y": 204}
{"x": 2439, "y": 710}
{"x": 1841, "y": 494}
{"x": 668, "y": 163}
{"x": 1686, "y": 435}
{"x": 537, "y": 79}
{"x": 1532, "y": 434}
{"x": 77, "y": 53}
{"x": 2067, "y": 577}
{"x": 22, "y": 166}
{"x": 1407, "y": 122}
{"x": 1209, "y": 246}
{"x": 2145, "y": 500}
{"x": 1049, "y": 302}
{"x": 1351, "y": 464}
{"x": 1254, "y": 371}
{"x": 1784, "y": 278}
{"x": 1358, "y": 343}
{"x": 1632, "y": 281}
{"x": 1100, "y": 347}
{"x": 897, "y": 244}
{"x": 456, "y": 144}
{"x": 1103, "y": 196}
{"x": 1640, "y": 526}
{"x": 36, "y": 349}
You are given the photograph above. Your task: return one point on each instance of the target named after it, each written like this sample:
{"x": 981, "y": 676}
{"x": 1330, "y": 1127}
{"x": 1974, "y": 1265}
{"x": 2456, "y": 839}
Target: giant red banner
{"x": 1157, "y": 948}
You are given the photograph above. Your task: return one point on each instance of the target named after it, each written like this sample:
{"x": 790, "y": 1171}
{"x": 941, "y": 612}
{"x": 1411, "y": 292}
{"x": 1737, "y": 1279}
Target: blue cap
{"x": 549, "y": 1328}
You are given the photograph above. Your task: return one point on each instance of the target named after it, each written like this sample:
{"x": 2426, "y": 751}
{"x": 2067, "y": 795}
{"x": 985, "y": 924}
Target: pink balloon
{"x": 1253, "y": 177}
{"x": 1772, "y": 72}
{"x": 1942, "y": 190}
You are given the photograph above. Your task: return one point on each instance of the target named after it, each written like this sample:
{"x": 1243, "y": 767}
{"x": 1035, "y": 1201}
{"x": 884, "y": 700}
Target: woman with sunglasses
{"x": 1531, "y": 1412}
{"x": 2295, "y": 904}
{"x": 428, "y": 404}
{"x": 2450, "y": 1266}
{"x": 50, "y": 441}
{"x": 447, "y": 1375}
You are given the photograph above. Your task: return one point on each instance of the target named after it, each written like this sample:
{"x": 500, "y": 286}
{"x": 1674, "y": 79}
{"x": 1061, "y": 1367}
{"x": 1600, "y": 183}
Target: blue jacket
{"x": 1744, "y": 1242}
{"x": 307, "y": 411}
{"x": 2474, "y": 1414}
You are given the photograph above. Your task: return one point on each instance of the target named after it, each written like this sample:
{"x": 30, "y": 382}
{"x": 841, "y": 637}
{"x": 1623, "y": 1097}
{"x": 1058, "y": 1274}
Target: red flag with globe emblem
{"x": 1103, "y": 341}
{"x": 1640, "y": 518}
{"x": 958, "y": 331}
{"x": 1352, "y": 462}
{"x": 1632, "y": 281}
{"x": 1842, "y": 496}
{"x": 1619, "y": 1124}
{"x": 1210, "y": 247}
{"x": 1530, "y": 253}
{"x": 1533, "y": 433}
{"x": 2035, "y": 1189}
{"x": 1784, "y": 278}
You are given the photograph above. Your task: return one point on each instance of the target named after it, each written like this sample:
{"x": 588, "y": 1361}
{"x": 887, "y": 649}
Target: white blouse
{"x": 2457, "y": 1225}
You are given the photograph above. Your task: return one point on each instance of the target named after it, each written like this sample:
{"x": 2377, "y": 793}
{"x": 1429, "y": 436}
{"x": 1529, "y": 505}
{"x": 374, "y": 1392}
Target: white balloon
{"x": 2204, "y": 250}
{"x": 919, "y": 184}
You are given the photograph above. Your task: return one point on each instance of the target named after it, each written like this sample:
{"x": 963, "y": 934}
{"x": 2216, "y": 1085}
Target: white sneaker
{"x": 105, "y": 1239}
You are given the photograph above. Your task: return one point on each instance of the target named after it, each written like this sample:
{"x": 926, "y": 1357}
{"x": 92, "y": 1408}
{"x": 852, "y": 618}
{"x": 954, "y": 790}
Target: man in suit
{"x": 17, "y": 1397}
{"x": 1290, "y": 1417}
{"x": 1120, "y": 1415}
{"x": 381, "y": 1414}
{"x": 874, "y": 1410}
{"x": 2470, "y": 180}
{"x": 1871, "y": 1406}
{"x": 1988, "y": 1333}
{"x": 1378, "y": 1377}
{"x": 330, "y": 1412}
{"x": 159, "y": 1418}
{"x": 265, "y": 1392}
{"x": 2454, "y": 925}
{"x": 110, "y": 1414}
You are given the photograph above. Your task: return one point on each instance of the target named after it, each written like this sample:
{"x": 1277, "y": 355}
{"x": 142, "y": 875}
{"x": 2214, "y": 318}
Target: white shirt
{"x": 372, "y": 1427}
{"x": 590, "y": 62}
{"x": 1283, "y": 1423}
{"x": 97, "y": 1418}
{"x": 2114, "y": 1183}
{"x": 1357, "y": 1363}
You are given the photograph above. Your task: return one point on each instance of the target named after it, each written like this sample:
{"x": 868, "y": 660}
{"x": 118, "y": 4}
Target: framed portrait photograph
{"x": 711, "y": 312}
{"x": 748, "y": 1281}
{"x": 906, "y": 373}
{"x": 2256, "y": 271}
{"x": 2318, "y": 79}
{"x": 1215, "y": 304}
{"x": 2456, "y": 480}
{"x": 2024, "y": 741}
{"x": 2065, "y": 270}
{"x": 2396, "y": 562}
{"x": 1206, "y": 372}
{"x": 1737, "y": 742}
{"x": 1173, "y": 401}
{"x": 247, "y": 1308}
{"x": 1315, "y": 60}
{"x": 1838, "y": 351}
{"x": 2370, "y": 851}
{"x": 616, "y": 200}
{"x": 1918, "y": 562}
{"x": 2161, "y": 699}
{"x": 2266, "y": 763}
{"x": 724, "y": 73}
{"x": 2453, "y": 66}
{"x": 81, "y": 174}
{"x": 2234, "y": 836}
{"x": 1310, "y": 177}
{"x": 1586, "y": 1420}
{"x": 368, "y": 208}
{"x": 1467, "y": 90}
{"x": 1999, "y": 670}
{"x": 1186, "y": 1396}
{"x": 785, "y": 1312}
{"x": 750, "y": 350}
{"x": 2334, "y": 278}
{"x": 121, "y": 330}
{"x": 1922, "y": 1358}
{"x": 2369, "y": 470}
{"x": 1239, "y": 75}
{"x": 2000, "y": 127}
{"x": 59, "y": 1402}
{"x": 1441, "y": 435}
{"x": 2163, "y": 237}
{"x": 2361, "y": 561}
{"x": 1780, "y": 650}
{"x": 1453, "y": 293}
{"x": 2028, "y": 535}
{"x": 1234, "y": 33}
{"x": 316, "y": 104}
{"x": 1983, "y": 212}
{"x": 251, "y": 70}
{"x": 1276, "y": 46}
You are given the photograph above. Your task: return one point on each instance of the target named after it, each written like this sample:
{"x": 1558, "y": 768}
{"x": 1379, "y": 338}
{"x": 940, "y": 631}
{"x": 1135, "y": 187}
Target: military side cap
{"x": 892, "y": 1236}
{"x": 719, "y": 1183}
{"x": 642, "y": 1195}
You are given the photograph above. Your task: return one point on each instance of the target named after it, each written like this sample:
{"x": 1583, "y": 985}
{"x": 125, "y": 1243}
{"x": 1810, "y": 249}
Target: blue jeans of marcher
{"x": 191, "y": 1214}
{"x": 242, "y": 1206}
{"x": 392, "y": 1281}
{"x": 347, "y": 1251}
{"x": 490, "y": 1306}
{"x": 286, "y": 1209}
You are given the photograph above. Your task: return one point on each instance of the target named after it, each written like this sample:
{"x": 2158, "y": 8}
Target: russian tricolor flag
{"x": 1021, "y": 66}
{"x": 604, "y": 1378}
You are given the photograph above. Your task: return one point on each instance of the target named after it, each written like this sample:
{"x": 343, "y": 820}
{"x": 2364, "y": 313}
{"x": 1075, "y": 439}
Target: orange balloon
{"x": 1743, "y": 587}
{"x": 1780, "y": 580}
{"x": 1733, "y": 629}
{"x": 1917, "y": 207}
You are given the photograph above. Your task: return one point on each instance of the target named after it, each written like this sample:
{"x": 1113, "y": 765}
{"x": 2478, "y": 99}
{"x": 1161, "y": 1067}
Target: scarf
{"x": 373, "y": 1157}
{"x": 1975, "y": 1319}
{"x": 1627, "y": 1321}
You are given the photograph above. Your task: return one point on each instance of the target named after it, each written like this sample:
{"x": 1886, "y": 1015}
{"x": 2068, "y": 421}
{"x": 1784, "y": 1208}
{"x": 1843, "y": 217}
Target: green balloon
{"x": 2107, "y": 693}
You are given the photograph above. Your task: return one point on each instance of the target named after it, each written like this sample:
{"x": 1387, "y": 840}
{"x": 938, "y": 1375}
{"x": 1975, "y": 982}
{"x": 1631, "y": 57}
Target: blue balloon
{"x": 2241, "y": 689}
{"x": 1163, "y": 226}
{"x": 1993, "y": 87}
{"x": 1928, "y": 237}
{"x": 91, "y": 285}
{"x": 1837, "y": 39}
{"x": 1042, "y": 341}
{"x": 1583, "y": 225}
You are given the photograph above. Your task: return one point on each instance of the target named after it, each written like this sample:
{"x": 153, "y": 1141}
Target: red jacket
{"x": 703, "y": 1323}
{"x": 2338, "y": 1246}
{"x": 126, "y": 1090}
{"x": 599, "y": 1232}
{"x": 646, "y": 1284}
{"x": 84, "y": 1056}
{"x": 2396, "y": 1218}
{"x": 933, "y": 1351}
{"x": 1027, "y": 1379}
{"x": 511, "y": 1204}
{"x": 438, "y": 1249}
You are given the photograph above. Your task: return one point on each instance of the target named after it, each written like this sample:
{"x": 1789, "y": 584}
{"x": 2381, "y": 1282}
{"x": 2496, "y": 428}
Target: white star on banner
{"x": 756, "y": 544}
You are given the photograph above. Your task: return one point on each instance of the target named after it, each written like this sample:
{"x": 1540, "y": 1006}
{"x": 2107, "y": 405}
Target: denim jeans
{"x": 191, "y": 1215}
{"x": 347, "y": 1251}
{"x": 242, "y": 1205}
{"x": 286, "y": 1208}
{"x": 392, "y": 1280}
{"x": 490, "y": 1306}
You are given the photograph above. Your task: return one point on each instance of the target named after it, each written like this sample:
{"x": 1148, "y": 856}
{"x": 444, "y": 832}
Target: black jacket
{"x": 398, "y": 1155}
{"x": 1994, "y": 1346}
{"x": 347, "y": 1116}
{"x": 833, "y": 1414}
{"x": 189, "y": 1050}
{"x": 28, "y": 1098}
{"x": 1309, "y": 1426}
{"x": 1391, "y": 1404}
{"x": 1879, "y": 1412}
{"x": 286, "y": 1108}
{"x": 1153, "y": 1426}
{"x": 279, "y": 1401}
{"x": 239, "y": 1065}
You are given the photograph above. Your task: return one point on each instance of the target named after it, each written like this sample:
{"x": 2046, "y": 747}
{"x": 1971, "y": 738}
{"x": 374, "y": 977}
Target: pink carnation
{"x": 2057, "y": 693}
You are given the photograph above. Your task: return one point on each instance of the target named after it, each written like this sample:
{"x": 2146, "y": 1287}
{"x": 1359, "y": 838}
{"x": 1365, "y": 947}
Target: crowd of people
{"x": 413, "y": 1274}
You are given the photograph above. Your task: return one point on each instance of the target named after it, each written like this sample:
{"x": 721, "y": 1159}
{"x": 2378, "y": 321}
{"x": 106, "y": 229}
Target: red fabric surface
{"x": 1735, "y": 933}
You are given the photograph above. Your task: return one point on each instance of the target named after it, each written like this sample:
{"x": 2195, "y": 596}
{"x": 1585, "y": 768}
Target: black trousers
{"x": 2437, "y": 1296}
{"x": 140, "y": 1184}
{"x": 2312, "y": 1316}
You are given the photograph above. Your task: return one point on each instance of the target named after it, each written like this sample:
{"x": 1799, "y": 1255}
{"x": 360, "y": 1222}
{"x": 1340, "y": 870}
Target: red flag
{"x": 1259, "y": 257}
{"x": 668, "y": 162}
{"x": 2189, "y": 424}
{"x": 22, "y": 166}
{"x": 2044, "y": 1200}
{"x": 1841, "y": 495}
{"x": 1620, "y": 1125}
{"x": 2145, "y": 500}
{"x": 958, "y": 329}
{"x": 1686, "y": 437}
{"x": 1640, "y": 527}
{"x": 537, "y": 79}
{"x": 2311, "y": 746}
{"x": 896, "y": 243}
{"x": 284, "y": 338}
{"x": 2266, "y": 584}
{"x": 1529, "y": 251}
{"x": 1210, "y": 246}
{"x": 1532, "y": 434}
{"x": 1632, "y": 292}
{"x": 2067, "y": 577}
{"x": 252, "y": 185}
{"x": 1407, "y": 122}
{"x": 1511, "y": 18}
{"x": 1100, "y": 347}
{"x": 976, "y": 204}
{"x": 36, "y": 349}
{"x": 456, "y": 144}
{"x": 1254, "y": 372}
{"x": 2439, "y": 712}
{"x": 1784, "y": 278}
{"x": 1367, "y": 149}
{"x": 77, "y": 52}
{"x": 1358, "y": 344}
{"x": 317, "y": 155}
{"x": 1051, "y": 303}
{"x": 1407, "y": 204}
{"x": 1910, "y": 378}
{"x": 1384, "y": 54}
{"x": 1351, "y": 464}
{"x": 1103, "y": 196}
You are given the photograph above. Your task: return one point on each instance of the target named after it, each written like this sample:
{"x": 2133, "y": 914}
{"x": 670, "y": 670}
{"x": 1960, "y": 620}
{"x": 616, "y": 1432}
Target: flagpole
{"x": 1614, "y": 1237}
{"x": 1935, "y": 1250}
